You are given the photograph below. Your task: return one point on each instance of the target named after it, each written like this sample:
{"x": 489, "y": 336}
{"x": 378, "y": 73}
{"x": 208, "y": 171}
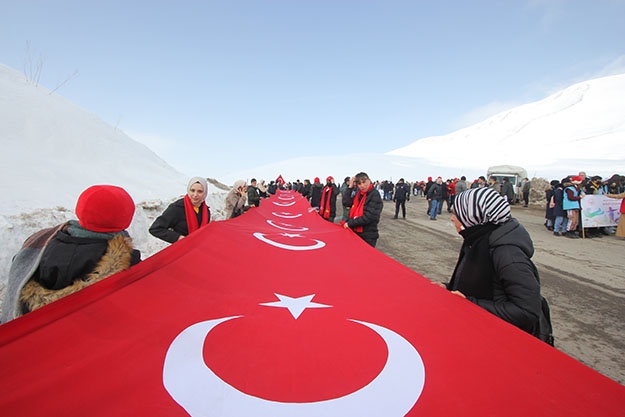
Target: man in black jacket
{"x": 435, "y": 196}
{"x": 402, "y": 194}
{"x": 253, "y": 195}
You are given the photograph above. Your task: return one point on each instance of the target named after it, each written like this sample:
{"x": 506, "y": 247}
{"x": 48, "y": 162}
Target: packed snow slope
{"x": 579, "y": 128}
{"x": 52, "y": 150}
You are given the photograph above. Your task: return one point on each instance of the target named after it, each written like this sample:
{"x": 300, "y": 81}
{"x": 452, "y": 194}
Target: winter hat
{"x": 480, "y": 206}
{"x": 105, "y": 208}
{"x": 330, "y": 178}
{"x": 429, "y": 178}
{"x": 201, "y": 181}
{"x": 576, "y": 179}
{"x": 317, "y": 180}
{"x": 239, "y": 183}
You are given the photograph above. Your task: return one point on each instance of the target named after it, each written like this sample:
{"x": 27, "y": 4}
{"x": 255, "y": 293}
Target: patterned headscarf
{"x": 481, "y": 206}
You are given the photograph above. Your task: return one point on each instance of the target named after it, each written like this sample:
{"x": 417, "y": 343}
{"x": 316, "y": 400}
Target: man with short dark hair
{"x": 253, "y": 195}
{"x": 461, "y": 185}
{"x": 507, "y": 190}
{"x": 401, "y": 195}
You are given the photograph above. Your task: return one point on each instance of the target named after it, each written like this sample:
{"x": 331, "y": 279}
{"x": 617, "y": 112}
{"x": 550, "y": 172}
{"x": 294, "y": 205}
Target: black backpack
{"x": 545, "y": 330}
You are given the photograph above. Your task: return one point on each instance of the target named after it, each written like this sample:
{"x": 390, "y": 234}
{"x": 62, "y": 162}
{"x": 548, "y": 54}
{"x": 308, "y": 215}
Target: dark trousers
{"x": 402, "y": 204}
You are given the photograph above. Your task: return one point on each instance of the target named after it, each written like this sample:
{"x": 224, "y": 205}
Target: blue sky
{"x": 220, "y": 86}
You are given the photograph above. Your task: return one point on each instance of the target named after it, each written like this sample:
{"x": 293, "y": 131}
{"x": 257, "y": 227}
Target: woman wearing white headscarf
{"x": 494, "y": 268}
{"x": 184, "y": 216}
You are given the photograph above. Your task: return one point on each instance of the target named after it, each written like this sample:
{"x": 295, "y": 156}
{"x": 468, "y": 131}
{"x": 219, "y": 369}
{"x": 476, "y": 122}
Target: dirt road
{"x": 583, "y": 279}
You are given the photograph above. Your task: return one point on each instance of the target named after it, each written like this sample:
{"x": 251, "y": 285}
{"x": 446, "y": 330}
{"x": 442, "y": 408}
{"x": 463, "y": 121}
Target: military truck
{"x": 514, "y": 174}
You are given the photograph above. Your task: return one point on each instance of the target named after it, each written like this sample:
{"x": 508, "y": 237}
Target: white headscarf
{"x": 201, "y": 181}
{"x": 480, "y": 206}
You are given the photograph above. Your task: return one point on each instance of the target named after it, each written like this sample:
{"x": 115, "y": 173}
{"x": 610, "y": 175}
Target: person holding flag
{"x": 185, "y": 215}
{"x": 327, "y": 207}
{"x": 366, "y": 208}
{"x": 61, "y": 260}
{"x": 494, "y": 269}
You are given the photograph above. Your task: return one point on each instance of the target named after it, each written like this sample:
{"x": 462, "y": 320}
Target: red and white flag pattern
{"x": 281, "y": 313}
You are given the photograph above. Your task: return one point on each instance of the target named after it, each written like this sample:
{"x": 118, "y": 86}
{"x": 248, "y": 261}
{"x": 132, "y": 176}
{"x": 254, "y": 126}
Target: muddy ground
{"x": 583, "y": 279}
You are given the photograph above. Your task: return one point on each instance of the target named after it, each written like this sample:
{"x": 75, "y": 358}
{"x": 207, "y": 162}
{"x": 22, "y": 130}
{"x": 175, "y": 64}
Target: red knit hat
{"x": 317, "y": 180}
{"x": 330, "y": 178}
{"x": 576, "y": 179}
{"x": 105, "y": 208}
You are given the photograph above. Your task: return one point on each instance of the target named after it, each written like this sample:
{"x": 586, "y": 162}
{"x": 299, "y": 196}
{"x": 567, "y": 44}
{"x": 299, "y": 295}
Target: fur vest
{"x": 117, "y": 258}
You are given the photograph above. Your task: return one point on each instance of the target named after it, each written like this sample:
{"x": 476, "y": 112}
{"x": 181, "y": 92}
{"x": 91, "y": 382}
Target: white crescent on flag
{"x": 263, "y": 238}
{"x": 286, "y": 215}
{"x": 284, "y": 204}
{"x": 286, "y": 226}
{"x": 200, "y": 392}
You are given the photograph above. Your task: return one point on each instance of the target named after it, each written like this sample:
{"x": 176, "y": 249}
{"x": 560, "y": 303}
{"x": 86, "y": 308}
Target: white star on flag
{"x": 297, "y": 305}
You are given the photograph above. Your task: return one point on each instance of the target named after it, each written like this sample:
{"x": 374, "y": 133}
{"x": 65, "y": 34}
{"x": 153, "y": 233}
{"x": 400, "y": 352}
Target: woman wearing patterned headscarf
{"x": 185, "y": 215}
{"x": 494, "y": 269}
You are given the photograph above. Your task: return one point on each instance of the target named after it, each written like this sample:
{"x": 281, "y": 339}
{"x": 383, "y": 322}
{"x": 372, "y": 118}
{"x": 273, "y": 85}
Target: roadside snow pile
{"x": 16, "y": 228}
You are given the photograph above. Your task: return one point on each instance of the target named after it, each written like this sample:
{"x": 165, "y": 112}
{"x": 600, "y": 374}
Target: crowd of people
{"x": 564, "y": 204}
{"x": 494, "y": 269}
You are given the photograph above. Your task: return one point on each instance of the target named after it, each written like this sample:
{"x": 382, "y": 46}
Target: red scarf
{"x": 191, "y": 215}
{"x": 325, "y": 205}
{"x": 358, "y": 207}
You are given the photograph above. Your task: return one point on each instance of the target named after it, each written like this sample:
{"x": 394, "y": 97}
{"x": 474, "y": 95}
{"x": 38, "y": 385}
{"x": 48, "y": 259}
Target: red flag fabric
{"x": 280, "y": 313}
{"x": 280, "y": 180}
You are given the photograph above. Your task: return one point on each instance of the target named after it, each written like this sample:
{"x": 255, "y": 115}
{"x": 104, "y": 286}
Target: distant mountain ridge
{"x": 580, "y": 127}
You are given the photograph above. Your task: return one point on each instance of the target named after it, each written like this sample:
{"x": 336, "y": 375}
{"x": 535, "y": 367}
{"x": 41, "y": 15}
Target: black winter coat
{"x": 331, "y": 201}
{"x": 494, "y": 271}
{"x": 549, "y": 212}
{"x": 253, "y": 196}
{"x": 172, "y": 224}
{"x": 558, "y": 197}
{"x": 371, "y": 216}
{"x": 402, "y": 191}
{"x": 305, "y": 190}
{"x": 315, "y": 194}
{"x": 436, "y": 192}
{"x": 67, "y": 258}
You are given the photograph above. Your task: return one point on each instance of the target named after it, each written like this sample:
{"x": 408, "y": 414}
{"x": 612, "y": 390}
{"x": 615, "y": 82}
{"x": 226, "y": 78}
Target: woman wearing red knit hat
{"x": 61, "y": 260}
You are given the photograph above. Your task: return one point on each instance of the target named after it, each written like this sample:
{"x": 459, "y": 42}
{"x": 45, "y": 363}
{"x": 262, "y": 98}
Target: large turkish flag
{"x": 280, "y": 313}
